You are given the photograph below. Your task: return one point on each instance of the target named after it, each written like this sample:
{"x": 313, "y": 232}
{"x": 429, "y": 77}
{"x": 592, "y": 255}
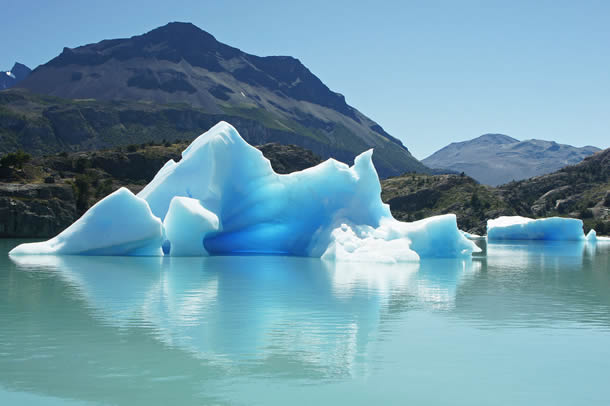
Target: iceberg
{"x": 223, "y": 198}
{"x": 523, "y": 228}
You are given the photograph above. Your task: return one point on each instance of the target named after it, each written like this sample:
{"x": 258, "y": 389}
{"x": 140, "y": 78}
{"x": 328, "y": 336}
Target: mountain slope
{"x": 495, "y": 159}
{"x": 578, "y": 191}
{"x": 15, "y": 75}
{"x": 581, "y": 190}
{"x": 180, "y": 63}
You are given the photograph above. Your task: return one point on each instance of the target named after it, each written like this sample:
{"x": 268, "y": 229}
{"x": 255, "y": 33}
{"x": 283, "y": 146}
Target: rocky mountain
{"x": 416, "y": 196}
{"x": 578, "y": 191}
{"x": 495, "y": 159}
{"x": 180, "y": 64}
{"x": 15, "y": 75}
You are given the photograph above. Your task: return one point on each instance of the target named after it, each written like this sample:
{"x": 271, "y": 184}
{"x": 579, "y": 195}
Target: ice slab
{"x": 523, "y": 228}
{"x": 119, "y": 224}
{"x": 223, "y": 198}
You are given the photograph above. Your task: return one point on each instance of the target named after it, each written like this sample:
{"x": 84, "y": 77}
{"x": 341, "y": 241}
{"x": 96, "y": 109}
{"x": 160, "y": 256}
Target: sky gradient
{"x": 429, "y": 72}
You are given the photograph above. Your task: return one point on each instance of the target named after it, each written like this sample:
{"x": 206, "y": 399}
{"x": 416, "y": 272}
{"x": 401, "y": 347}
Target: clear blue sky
{"x": 430, "y": 72}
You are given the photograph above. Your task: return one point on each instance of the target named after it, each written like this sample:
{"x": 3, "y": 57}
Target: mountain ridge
{"x": 12, "y": 77}
{"x": 180, "y": 63}
{"x": 495, "y": 159}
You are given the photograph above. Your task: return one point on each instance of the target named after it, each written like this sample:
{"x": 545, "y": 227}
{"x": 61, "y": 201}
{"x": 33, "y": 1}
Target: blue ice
{"x": 223, "y": 198}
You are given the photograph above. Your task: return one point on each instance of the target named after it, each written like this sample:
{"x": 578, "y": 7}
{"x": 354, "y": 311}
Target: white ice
{"x": 223, "y": 197}
{"x": 523, "y": 228}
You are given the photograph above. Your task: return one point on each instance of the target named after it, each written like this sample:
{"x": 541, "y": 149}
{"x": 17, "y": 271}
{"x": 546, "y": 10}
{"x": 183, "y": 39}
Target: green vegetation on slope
{"x": 579, "y": 191}
{"x": 417, "y": 196}
{"x": 43, "y": 125}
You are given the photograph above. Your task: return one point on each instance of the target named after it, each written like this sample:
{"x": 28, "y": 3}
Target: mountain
{"x": 416, "y": 196}
{"x": 182, "y": 64}
{"x": 495, "y": 159}
{"x": 581, "y": 191}
{"x": 578, "y": 191}
{"x": 15, "y": 75}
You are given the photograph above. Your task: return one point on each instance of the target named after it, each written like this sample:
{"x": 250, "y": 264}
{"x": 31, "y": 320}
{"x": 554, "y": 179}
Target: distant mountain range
{"x": 11, "y": 77}
{"x": 180, "y": 66}
{"x": 495, "y": 159}
{"x": 578, "y": 191}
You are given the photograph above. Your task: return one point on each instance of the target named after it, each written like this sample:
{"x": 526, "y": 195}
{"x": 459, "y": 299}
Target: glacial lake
{"x": 528, "y": 325}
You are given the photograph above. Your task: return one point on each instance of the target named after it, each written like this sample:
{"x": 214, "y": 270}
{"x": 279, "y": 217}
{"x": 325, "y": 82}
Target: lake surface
{"x": 529, "y": 325}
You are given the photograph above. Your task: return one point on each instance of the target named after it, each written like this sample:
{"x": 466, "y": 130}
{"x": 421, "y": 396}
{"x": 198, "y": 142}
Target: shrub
{"x": 82, "y": 191}
{"x": 586, "y": 214}
{"x": 104, "y": 188}
{"x": 475, "y": 202}
{"x": 15, "y": 159}
{"x": 81, "y": 164}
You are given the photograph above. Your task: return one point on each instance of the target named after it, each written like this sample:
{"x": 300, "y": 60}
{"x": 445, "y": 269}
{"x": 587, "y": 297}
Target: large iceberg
{"x": 223, "y": 198}
{"x": 523, "y": 228}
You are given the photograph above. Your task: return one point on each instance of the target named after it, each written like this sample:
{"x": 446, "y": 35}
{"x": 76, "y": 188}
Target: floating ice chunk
{"x": 368, "y": 244}
{"x": 119, "y": 224}
{"x": 592, "y": 237}
{"x": 523, "y": 228}
{"x": 437, "y": 237}
{"x": 394, "y": 241}
{"x": 186, "y": 224}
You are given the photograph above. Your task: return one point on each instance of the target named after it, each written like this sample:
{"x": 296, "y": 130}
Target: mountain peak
{"x": 494, "y": 159}
{"x": 20, "y": 70}
{"x": 179, "y": 31}
{"x": 10, "y": 78}
{"x": 496, "y": 138}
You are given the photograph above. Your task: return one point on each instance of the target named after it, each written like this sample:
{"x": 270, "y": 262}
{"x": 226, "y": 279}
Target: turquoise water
{"x": 530, "y": 325}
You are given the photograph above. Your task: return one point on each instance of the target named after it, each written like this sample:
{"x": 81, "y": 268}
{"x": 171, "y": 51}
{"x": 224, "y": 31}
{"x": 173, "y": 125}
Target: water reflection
{"x": 167, "y": 327}
{"x": 535, "y": 284}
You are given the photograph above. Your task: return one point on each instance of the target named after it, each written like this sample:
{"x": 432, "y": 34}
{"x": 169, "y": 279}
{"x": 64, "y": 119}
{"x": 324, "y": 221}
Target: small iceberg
{"x": 223, "y": 198}
{"x": 523, "y": 228}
